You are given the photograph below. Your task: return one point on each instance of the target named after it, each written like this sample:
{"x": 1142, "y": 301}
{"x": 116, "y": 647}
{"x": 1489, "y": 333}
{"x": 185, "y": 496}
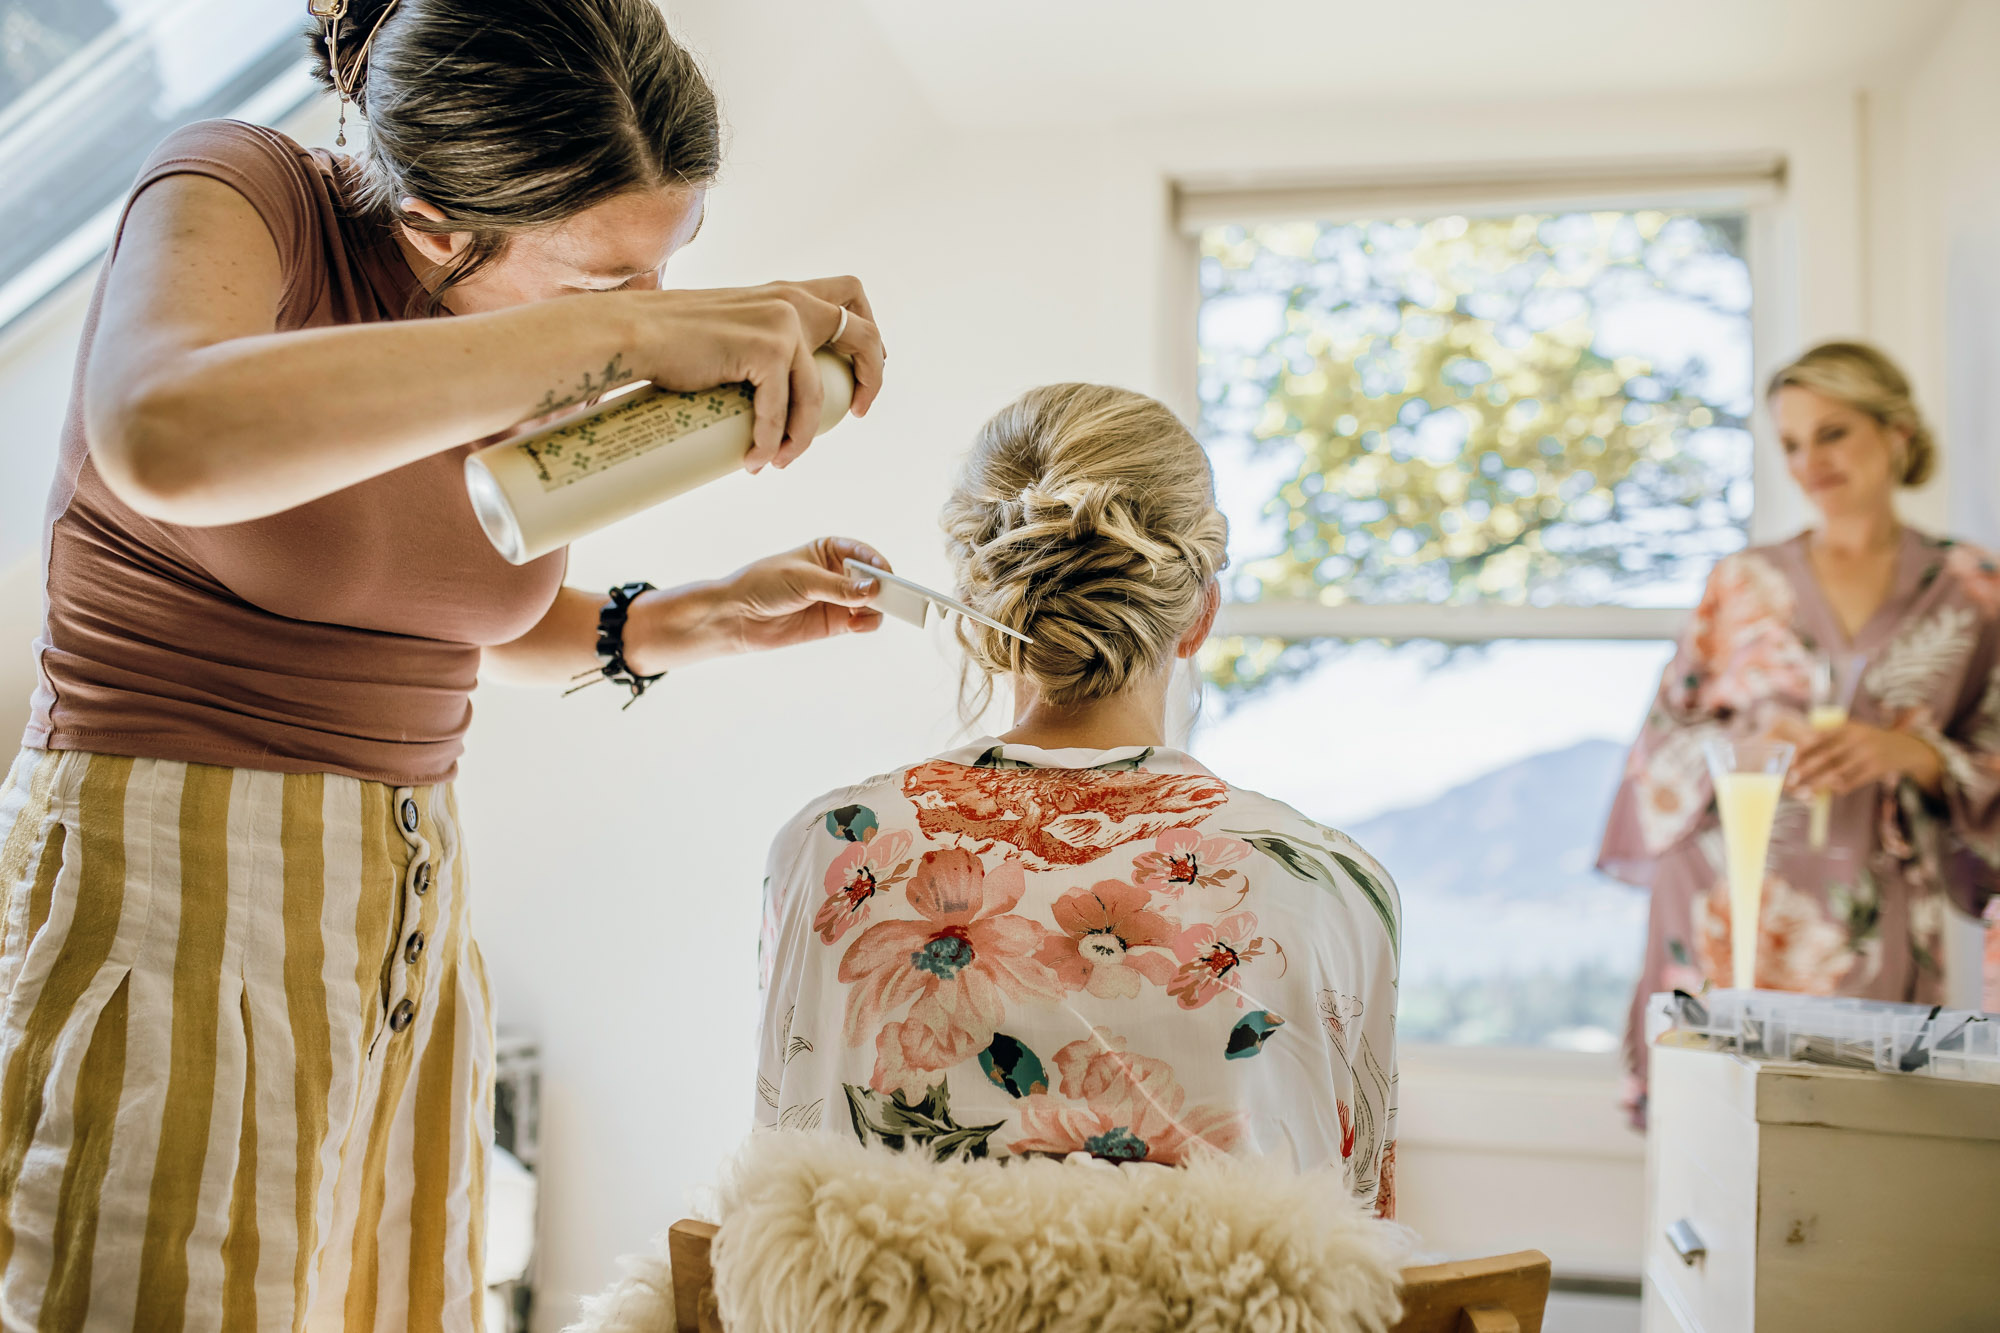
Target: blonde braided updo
{"x": 1084, "y": 517}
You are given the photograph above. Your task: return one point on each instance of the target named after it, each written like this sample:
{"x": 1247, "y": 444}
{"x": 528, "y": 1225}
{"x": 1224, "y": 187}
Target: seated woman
{"x": 1072, "y": 939}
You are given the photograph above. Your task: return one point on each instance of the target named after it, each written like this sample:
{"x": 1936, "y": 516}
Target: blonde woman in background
{"x": 1072, "y": 938}
{"x": 1913, "y": 775}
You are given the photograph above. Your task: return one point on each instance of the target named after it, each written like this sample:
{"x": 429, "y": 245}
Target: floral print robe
{"x": 1865, "y": 918}
{"x": 1007, "y": 950}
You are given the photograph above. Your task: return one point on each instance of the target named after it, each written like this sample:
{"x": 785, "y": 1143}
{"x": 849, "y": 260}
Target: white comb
{"x": 905, "y": 600}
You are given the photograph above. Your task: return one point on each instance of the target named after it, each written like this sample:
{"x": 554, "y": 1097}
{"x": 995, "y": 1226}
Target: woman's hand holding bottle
{"x": 765, "y": 336}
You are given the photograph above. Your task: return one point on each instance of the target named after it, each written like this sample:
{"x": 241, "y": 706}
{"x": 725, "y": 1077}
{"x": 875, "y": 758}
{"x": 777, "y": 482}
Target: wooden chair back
{"x": 1504, "y": 1294}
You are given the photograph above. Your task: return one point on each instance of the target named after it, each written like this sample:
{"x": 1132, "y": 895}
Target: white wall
{"x": 620, "y": 854}
{"x": 1934, "y": 223}
{"x": 35, "y": 367}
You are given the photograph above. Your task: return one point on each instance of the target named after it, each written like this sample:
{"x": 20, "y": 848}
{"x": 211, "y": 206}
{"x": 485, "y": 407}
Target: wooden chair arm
{"x": 1487, "y": 1319}
{"x": 1502, "y": 1294}
{"x": 688, "y": 1245}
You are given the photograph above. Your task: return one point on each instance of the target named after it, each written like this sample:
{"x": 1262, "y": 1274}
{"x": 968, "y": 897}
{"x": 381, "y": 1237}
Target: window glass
{"x": 1480, "y": 777}
{"x": 89, "y": 87}
{"x": 1537, "y": 409}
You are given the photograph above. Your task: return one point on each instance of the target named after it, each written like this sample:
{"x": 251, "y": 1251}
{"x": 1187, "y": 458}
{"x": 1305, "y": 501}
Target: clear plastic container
{"x": 1971, "y": 1052}
{"x": 1828, "y": 1030}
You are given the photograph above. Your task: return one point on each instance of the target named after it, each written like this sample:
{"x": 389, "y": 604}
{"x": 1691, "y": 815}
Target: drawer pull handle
{"x": 1687, "y": 1242}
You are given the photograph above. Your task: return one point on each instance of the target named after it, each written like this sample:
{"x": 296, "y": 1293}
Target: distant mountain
{"x": 1496, "y": 879}
{"x": 1527, "y": 832}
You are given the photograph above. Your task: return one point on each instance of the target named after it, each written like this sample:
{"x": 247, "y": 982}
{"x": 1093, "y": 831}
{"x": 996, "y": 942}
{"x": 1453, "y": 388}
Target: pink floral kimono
{"x": 1865, "y": 916}
{"x": 1007, "y": 950}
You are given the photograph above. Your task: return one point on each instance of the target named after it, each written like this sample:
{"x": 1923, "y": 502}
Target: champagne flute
{"x": 1829, "y": 711}
{"x": 1749, "y": 777}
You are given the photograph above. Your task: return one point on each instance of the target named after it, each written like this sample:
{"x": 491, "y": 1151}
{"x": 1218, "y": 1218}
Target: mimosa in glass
{"x": 1749, "y": 778}
{"x": 1823, "y": 717}
{"x": 1829, "y": 713}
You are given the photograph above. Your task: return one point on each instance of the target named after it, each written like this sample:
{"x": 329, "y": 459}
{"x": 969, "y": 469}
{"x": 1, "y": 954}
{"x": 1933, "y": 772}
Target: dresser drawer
{"x": 1718, "y": 1287}
{"x": 1660, "y": 1310}
{"x": 1863, "y": 1232}
{"x": 1703, "y": 1174}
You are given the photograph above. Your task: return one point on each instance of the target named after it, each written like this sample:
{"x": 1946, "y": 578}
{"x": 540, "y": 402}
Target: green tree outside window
{"x": 1542, "y": 409}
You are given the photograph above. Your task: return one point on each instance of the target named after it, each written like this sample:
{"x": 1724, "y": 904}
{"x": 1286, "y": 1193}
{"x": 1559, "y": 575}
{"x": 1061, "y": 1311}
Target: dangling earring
{"x": 330, "y": 13}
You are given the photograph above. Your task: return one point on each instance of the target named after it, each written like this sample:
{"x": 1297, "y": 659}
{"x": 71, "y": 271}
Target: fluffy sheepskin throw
{"x": 822, "y": 1236}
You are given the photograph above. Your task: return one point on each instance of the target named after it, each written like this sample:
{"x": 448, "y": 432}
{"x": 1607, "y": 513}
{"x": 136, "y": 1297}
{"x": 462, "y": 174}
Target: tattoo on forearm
{"x": 615, "y": 373}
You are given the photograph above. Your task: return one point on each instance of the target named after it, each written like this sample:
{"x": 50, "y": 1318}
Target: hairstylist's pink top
{"x": 342, "y": 636}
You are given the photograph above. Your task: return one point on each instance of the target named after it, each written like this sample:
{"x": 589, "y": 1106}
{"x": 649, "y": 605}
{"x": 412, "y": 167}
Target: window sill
{"x": 1517, "y": 1100}
{"x": 1502, "y": 1149}
{"x": 1474, "y": 623}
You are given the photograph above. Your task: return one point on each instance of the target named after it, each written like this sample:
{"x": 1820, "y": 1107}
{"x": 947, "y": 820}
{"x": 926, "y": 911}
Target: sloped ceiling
{"x": 1040, "y": 62}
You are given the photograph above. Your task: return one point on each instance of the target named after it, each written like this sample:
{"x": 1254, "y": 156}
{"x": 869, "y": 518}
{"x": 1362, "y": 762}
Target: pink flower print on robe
{"x": 1212, "y": 957}
{"x": 1055, "y": 817}
{"x": 1749, "y": 653}
{"x": 857, "y": 875}
{"x": 1130, "y": 1112}
{"x": 1183, "y": 860}
{"x": 956, "y": 969}
{"x": 1993, "y": 957}
{"x": 1103, "y": 928}
{"x": 1385, "y": 1189}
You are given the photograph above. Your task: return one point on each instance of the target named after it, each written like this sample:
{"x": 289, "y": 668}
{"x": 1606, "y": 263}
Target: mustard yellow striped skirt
{"x": 245, "y": 1051}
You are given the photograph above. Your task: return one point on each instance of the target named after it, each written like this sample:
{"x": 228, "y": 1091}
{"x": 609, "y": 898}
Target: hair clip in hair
{"x": 327, "y": 11}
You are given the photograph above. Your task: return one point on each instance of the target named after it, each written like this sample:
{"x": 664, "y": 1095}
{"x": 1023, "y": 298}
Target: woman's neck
{"x": 1136, "y": 715}
{"x": 1858, "y": 535}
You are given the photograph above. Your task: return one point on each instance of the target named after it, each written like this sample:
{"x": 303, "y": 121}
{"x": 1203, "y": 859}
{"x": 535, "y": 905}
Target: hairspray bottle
{"x": 544, "y": 490}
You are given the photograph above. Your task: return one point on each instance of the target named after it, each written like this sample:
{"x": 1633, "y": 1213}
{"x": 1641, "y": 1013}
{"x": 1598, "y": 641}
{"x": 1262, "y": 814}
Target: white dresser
{"x": 1815, "y": 1200}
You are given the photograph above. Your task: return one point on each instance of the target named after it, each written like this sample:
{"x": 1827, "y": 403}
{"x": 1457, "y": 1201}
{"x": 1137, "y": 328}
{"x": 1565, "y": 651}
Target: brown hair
{"x": 1864, "y": 378}
{"x": 509, "y": 114}
{"x": 1085, "y": 518}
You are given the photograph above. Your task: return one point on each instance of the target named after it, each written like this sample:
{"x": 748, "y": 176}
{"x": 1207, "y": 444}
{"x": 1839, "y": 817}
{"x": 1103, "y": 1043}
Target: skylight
{"x": 89, "y": 87}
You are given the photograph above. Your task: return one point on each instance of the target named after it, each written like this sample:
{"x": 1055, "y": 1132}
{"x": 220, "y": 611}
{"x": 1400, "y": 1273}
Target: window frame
{"x": 1753, "y": 184}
